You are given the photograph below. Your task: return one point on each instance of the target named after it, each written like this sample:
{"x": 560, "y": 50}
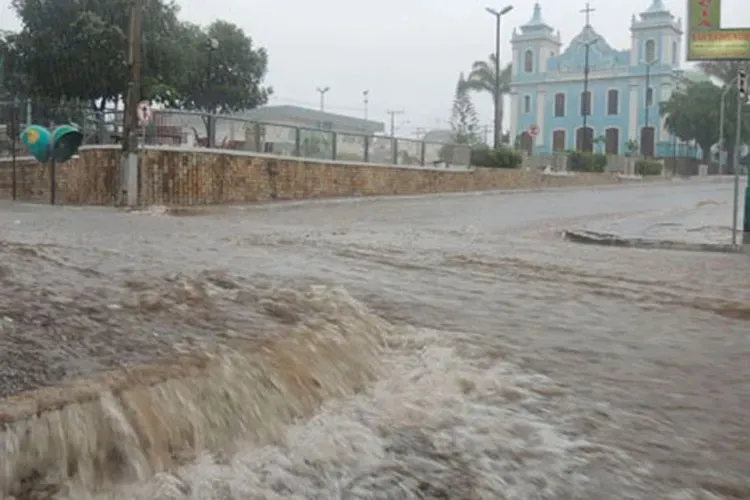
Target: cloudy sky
{"x": 407, "y": 53}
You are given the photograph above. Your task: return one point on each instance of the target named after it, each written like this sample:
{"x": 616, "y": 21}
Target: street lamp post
{"x": 212, "y": 44}
{"x": 677, "y": 88}
{"x": 322, "y": 91}
{"x": 722, "y": 157}
{"x": 586, "y": 107}
{"x": 498, "y": 118}
{"x": 649, "y": 98}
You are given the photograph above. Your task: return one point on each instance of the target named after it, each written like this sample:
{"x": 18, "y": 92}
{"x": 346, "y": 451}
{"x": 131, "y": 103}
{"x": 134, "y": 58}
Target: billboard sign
{"x": 707, "y": 41}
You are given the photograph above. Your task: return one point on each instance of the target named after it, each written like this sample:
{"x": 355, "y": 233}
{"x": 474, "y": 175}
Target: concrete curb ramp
{"x": 613, "y": 240}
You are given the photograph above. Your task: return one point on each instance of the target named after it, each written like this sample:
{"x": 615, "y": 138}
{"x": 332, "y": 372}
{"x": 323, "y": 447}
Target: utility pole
{"x": 649, "y": 102}
{"x": 496, "y": 93}
{"x": 129, "y": 170}
{"x": 392, "y": 113}
{"x": 742, "y": 89}
{"x": 722, "y": 142}
{"x": 586, "y": 106}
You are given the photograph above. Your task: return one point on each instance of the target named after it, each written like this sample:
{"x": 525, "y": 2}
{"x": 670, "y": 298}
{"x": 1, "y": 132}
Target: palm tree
{"x": 482, "y": 79}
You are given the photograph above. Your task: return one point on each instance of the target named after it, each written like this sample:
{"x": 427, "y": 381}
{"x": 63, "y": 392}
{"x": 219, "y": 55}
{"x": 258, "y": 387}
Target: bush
{"x": 484, "y": 156}
{"x": 648, "y": 167}
{"x": 586, "y": 162}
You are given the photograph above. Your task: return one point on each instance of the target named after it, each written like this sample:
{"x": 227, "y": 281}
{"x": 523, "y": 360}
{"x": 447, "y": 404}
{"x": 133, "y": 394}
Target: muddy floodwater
{"x": 528, "y": 366}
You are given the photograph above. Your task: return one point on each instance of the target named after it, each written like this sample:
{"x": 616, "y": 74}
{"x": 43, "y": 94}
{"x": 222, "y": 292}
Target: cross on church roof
{"x": 588, "y": 10}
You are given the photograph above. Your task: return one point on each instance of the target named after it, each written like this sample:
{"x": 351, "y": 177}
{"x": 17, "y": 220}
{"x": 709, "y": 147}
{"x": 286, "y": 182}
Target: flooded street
{"x": 519, "y": 365}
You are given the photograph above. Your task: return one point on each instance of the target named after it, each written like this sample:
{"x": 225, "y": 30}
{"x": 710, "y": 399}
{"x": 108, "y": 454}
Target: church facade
{"x": 619, "y": 112}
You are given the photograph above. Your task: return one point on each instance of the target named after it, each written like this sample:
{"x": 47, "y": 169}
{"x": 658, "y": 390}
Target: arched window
{"x": 675, "y": 55}
{"x": 527, "y": 104}
{"x": 650, "y": 51}
{"x": 528, "y": 61}
{"x": 649, "y": 97}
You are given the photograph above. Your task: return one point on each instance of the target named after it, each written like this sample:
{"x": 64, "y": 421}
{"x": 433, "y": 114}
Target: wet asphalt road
{"x": 657, "y": 340}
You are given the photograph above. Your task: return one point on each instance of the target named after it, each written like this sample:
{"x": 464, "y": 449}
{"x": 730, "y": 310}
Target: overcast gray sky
{"x": 408, "y": 53}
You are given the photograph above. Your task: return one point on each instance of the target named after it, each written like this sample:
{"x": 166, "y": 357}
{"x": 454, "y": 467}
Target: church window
{"x": 613, "y": 102}
{"x": 559, "y": 105}
{"x": 649, "y": 97}
{"x": 650, "y": 51}
{"x": 527, "y": 104}
{"x": 675, "y": 49}
{"x": 586, "y": 103}
{"x": 528, "y": 61}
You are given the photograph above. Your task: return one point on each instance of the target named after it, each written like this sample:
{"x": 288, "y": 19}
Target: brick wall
{"x": 193, "y": 177}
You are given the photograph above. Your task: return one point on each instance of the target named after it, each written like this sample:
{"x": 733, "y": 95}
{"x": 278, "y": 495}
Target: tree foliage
{"x": 226, "y": 79}
{"x": 694, "y": 114}
{"x": 724, "y": 71}
{"x": 77, "y": 51}
{"x": 464, "y": 120}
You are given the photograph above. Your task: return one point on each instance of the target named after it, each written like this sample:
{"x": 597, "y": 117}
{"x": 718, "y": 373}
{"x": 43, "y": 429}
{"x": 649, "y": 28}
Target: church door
{"x": 585, "y": 139}
{"x": 647, "y": 141}
{"x": 612, "y": 141}
{"x": 558, "y": 141}
{"x": 527, "y": 142}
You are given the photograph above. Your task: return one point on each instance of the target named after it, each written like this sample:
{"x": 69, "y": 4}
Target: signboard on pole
{"x": 144, "y": 113}
{"x": 707, "y": 41}
{"x": 704, "y": 14}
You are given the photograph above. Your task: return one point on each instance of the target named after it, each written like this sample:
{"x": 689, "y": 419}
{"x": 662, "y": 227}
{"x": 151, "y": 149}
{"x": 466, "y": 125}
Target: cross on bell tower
{"x": 588, "y": 10}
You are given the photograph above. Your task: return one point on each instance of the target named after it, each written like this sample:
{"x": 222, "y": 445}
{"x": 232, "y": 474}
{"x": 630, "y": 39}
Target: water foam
{"x": 438, "y": 426}
{"x": 124, "y": 426}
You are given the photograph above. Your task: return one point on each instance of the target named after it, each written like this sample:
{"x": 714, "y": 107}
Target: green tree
{"x": 694, "y": 114}
{"x": 221, "y": 79}
{"x": 464, "y": 120}
{"x": 481, "y": 78}
{"x": 724, "y": 71}
{"x": 70, "y": 50}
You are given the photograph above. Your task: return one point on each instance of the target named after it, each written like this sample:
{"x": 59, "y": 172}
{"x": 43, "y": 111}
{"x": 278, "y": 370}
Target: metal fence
{"x": 190, "y": 130}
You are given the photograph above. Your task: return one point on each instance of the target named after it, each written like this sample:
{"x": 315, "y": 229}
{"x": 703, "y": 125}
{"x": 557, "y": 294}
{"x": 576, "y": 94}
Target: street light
{"x": 212, "y": 44}
{"x": 649, "y": 98}
{"x": 498, "y": 118}
{"x": 322, "y": 92}
{"x": 365, "y": 97}
{"x": 722, "y": 158}
{"x": 586, "y": 109}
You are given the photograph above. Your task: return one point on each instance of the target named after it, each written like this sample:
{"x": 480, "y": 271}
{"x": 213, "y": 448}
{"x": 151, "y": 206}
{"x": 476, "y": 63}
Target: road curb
{"x": 614, "y": 240}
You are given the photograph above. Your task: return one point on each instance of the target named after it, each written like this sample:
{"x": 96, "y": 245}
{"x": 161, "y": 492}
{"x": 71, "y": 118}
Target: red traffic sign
{"x": 534, "y": 131}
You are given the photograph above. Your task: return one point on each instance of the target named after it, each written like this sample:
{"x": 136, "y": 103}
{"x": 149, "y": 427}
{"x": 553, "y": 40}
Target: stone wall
{"x": 88, "y": 179}
{"x": 195, "y": 177}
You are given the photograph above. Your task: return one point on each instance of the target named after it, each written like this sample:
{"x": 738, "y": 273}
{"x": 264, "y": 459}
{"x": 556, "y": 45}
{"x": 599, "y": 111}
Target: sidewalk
{"x": 707, "y": 227}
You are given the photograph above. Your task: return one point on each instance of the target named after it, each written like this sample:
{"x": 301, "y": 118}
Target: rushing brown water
{"x": 516, "y": 365}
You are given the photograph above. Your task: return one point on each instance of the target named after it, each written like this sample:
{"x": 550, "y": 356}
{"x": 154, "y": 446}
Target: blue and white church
{"x": 625, "y": 87}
